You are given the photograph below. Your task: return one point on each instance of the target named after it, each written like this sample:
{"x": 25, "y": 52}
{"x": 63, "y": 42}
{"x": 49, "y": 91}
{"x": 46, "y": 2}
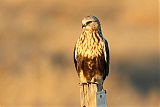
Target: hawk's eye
{"x": 88, "y": 22}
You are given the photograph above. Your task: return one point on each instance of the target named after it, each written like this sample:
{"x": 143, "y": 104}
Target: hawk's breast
{"x": 89, "y": 46}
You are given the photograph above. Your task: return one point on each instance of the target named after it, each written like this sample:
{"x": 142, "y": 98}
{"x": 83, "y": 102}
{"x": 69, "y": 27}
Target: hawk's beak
{"x": 83, "y": 25}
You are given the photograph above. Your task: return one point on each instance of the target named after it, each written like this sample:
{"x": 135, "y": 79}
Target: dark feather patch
{"x": 75, "y": 61}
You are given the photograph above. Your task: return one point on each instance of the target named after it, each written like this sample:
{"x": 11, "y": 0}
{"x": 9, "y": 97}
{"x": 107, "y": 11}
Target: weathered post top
{"x": 90, "y": 96}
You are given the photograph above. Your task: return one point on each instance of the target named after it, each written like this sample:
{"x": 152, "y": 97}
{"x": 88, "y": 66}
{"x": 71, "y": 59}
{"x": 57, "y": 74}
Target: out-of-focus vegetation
{"x": 36, "y": 52}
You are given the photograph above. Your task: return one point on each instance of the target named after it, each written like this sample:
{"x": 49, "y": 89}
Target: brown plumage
{"x": 91, "y": 53}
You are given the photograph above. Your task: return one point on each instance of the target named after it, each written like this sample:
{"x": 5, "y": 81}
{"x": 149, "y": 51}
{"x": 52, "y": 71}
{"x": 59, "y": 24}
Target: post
{"x": 90, "y": 96}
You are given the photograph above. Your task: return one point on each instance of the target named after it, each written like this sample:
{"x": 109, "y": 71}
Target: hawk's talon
{"x": 83, "y": 83}
{"x": 87, "y": 83}
{"x": 93, "y": 83}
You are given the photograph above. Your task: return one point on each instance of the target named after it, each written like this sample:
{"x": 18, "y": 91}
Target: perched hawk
{"x": 91, "y": 53}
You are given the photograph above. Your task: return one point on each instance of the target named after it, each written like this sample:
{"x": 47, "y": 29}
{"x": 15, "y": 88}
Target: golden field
{"x": 36, "y": 52}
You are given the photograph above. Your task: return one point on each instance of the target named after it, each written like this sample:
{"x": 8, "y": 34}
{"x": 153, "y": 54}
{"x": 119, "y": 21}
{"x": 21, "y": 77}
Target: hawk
{"x": 91, "y": 53}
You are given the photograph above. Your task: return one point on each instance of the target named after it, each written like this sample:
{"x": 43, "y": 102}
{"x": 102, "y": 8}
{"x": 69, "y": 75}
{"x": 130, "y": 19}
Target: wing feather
{"x": 74, "y": 57}
{"x": 107, "y": 59}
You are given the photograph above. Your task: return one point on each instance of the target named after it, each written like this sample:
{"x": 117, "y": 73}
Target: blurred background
{"x": 36, "y": 52}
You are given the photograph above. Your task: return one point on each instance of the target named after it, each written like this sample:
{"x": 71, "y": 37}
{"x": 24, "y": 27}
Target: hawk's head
{"x": 91, "y": 23}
